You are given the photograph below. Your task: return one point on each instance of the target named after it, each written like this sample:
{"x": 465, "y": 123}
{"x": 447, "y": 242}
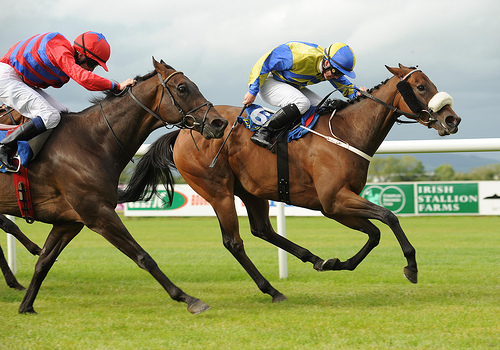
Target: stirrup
{"x": 18, "y": 164}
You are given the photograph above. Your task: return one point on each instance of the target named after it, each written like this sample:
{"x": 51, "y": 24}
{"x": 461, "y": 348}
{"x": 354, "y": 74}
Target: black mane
{"x": 338, "y": 104}
{"x": 108, "y": 94}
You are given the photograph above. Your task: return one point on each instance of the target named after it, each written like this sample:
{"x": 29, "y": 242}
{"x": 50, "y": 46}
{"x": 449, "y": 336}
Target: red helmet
{"x": 94, "y": 46}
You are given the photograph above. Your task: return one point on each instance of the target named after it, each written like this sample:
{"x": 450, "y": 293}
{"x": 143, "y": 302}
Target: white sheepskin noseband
{"x": 440, "y": 100}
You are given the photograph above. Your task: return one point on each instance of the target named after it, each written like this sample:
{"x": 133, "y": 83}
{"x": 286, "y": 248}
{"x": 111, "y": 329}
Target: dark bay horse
{"x": 323, "y": 175}
{"x": 74, "y": 178}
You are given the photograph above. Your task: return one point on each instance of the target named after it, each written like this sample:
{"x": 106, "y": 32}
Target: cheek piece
{"x": 411, "y": 100}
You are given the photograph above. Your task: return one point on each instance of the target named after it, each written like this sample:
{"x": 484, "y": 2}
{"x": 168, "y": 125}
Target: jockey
{"x": 48, "y": 60}
{"x": 280, "y": 78}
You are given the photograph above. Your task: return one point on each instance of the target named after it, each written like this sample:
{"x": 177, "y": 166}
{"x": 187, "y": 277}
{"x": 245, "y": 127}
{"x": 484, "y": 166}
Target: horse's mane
{"x": 106, "y": 95}
{"x": 338, "y": 104}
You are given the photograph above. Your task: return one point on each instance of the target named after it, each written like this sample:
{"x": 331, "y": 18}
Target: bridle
{"x": 186, "y": 116}
{"x": 411, "y": 100}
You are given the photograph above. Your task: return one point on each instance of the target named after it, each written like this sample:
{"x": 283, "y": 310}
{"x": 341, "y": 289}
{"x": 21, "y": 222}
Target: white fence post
{"x": 282, "y": 255}
{"x": 11, "y": 249}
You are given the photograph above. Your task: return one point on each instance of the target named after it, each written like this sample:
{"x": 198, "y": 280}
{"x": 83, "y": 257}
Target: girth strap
{"x": 22, "y": 187}
{"x": 283, "y": 171}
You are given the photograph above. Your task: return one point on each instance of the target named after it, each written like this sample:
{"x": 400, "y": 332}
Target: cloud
{"x": 216, "y": 43}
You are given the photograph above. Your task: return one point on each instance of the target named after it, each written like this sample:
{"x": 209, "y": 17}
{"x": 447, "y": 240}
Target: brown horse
{"x": 323, "y": 175}
{"x": 74, "y": 178}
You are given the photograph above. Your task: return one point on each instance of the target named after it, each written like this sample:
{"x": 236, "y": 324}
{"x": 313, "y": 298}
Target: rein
{"x": 411, "y": 100}
{"x": 183, "y": 124}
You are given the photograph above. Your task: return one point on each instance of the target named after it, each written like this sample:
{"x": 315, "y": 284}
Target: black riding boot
{"x": 280, "y": 119}
{"x": 24, "y": 132}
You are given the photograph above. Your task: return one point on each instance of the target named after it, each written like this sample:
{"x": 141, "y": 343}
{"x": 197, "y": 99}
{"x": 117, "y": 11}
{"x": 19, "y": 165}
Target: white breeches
{"x": 281, "y": 94}
{"x": 30, "y": 102}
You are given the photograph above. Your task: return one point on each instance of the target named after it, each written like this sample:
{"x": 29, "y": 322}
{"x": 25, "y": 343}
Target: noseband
{"x": 186, "y": 116}
{"x": 414, "y": 103}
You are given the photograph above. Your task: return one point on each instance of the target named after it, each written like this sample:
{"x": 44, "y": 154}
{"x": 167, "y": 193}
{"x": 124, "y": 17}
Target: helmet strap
{"x": 85, "y": 51}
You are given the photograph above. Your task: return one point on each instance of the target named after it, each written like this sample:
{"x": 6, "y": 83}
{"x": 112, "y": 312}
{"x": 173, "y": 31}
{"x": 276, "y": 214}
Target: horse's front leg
{"x": 10, "y": 227}
{"x": 354, "y": 211}
{"x": 7, "y": 273}
{"x": 228, "y": 220}
{"x": 58, "y": 238}
{"x": 108, "y": 224}
{"x": 258, "y": 215}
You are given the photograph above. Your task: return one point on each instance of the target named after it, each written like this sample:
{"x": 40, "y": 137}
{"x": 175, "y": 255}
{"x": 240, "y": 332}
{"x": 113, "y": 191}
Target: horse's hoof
{"x": 197, "y": 307}
{"x": 410, "y": 275}
{"x": 15, "y": 285}
{"x": 326, "y": 265}
{"x": 279, "y": 298}
{"x": 28, "y": 311}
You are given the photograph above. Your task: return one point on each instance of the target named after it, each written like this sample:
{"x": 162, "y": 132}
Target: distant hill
{"x": 460, "y": 162}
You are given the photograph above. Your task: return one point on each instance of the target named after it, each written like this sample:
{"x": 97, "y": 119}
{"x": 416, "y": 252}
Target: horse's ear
{"x": 396, "y": 71}
{"x": 156, "y": 64}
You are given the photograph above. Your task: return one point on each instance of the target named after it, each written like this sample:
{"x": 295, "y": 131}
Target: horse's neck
{"x": 366, "y": 123}
{"x": 118, "y": 123}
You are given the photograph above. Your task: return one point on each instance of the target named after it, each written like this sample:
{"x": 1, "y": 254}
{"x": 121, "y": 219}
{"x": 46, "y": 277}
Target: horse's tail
{"x": 153, "y": 168}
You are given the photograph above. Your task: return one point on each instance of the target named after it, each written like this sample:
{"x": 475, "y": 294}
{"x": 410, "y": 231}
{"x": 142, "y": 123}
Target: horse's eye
{"x": 420, "y": 87}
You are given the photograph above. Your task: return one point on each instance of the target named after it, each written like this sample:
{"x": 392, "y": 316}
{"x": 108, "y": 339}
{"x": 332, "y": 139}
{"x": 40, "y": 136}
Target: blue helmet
{"x": 342, "y": 58}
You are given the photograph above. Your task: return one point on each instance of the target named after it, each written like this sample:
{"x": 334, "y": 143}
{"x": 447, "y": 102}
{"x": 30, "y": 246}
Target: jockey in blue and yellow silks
{"x": 282, "y": 75}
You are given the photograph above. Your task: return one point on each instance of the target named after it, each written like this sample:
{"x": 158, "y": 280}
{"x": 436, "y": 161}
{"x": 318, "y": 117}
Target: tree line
{"x": 409, "y": 168}
{"x": 393, "y": 169}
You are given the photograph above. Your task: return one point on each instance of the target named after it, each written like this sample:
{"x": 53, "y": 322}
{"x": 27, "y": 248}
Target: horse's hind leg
{"x": 108, "y": 224}
{"x": 355, "y": 213}
{"x": 10, "y": 227}
{"x": 7, "y": 273}
{"x": 232, "y": 241}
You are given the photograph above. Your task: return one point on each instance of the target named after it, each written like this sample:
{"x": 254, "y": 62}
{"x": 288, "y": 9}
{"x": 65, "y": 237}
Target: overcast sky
{"x": 216, "y": 43}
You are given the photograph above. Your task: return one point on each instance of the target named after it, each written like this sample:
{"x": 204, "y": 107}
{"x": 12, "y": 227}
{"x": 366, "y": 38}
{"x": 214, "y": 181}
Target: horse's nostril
{"x": 452, "y": 120}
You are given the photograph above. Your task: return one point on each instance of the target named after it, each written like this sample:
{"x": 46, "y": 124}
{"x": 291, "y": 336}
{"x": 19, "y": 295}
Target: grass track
{"x": 96, "y": 298}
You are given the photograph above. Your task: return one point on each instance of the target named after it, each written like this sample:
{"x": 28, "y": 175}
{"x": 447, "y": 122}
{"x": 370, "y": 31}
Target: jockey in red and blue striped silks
{"x": 48, "y": 60}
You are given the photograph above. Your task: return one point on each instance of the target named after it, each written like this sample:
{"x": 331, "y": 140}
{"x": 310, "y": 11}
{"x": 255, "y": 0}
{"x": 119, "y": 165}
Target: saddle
{"x": 257, "y": 116}
{"x": 26, "y": 151}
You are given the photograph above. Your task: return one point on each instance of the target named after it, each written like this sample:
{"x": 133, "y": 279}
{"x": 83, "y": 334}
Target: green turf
{"x": 96, "y": 298}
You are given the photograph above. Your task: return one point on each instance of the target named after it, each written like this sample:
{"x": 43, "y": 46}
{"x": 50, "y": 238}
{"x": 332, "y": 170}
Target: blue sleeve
{"x": 278, "y": 59}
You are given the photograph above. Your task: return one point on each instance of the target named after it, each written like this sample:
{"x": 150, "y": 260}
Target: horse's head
{"x": 421, "y": 99}
{"x": 182, "y": 104}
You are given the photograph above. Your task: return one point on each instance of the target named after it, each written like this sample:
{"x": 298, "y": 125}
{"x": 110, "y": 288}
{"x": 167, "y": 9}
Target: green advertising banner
{"x": 425, "y": 198}
{"x": 447, "y": 198}
{"x": 398, "y": 198}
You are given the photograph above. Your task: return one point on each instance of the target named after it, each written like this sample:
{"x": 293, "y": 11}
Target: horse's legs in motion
{"x": 233, "y": 242}
{"x": 9, "y": 227}
{"x": 108, "y": 224}
{"x": 58, "y": 238}
{"x": 355, "y": 213}
{"x": 7, "y": 273}
{"x": 258, "y": 215}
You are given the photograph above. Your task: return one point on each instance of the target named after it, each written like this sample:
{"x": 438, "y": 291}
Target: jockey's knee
{"x": 303, "y": 105}
{"x": 51, "y": 120}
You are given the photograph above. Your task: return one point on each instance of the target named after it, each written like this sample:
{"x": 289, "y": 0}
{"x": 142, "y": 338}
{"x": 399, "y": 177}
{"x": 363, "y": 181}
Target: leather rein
{"x": 408, "y": 95}
{"x": 186, "y": 116}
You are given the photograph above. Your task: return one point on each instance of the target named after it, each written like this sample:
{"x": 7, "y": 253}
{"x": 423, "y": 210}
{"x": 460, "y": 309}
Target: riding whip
{"x": 229, "y": 133}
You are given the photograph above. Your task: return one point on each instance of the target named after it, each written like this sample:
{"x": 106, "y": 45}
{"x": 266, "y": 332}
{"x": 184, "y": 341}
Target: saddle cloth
{"x": 258, "y": 115}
